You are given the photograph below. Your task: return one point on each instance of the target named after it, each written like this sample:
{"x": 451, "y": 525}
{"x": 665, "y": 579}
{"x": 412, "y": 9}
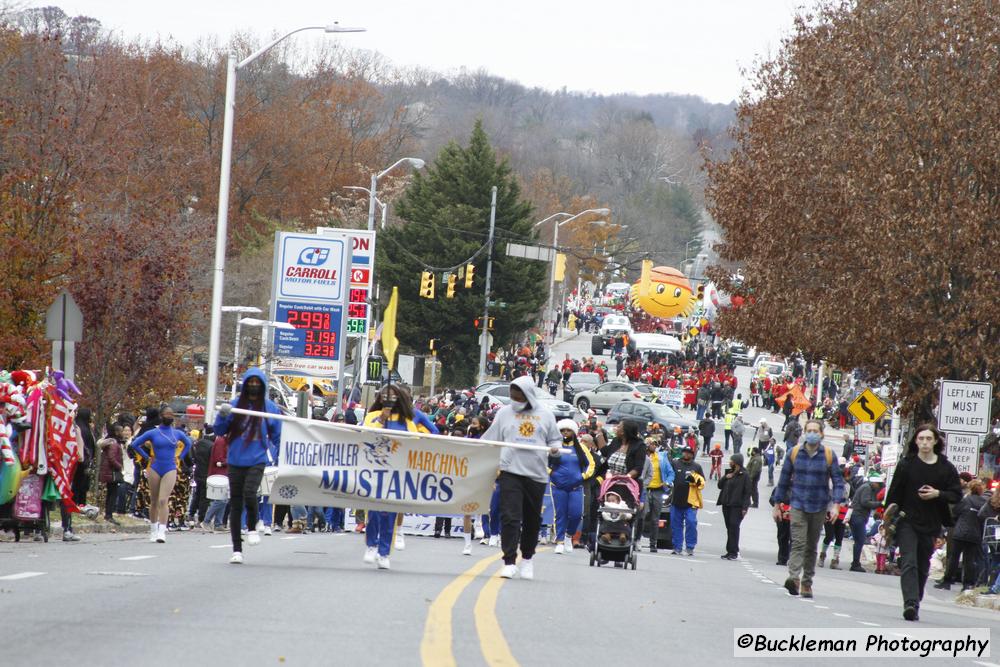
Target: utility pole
{"x": 484, "y": 343}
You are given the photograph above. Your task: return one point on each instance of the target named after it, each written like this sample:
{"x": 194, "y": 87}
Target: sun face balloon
{"x": 669, "y": 295}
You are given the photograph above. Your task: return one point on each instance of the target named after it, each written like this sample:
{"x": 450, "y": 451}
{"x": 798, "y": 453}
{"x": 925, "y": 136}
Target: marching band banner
{"x": 330, "y": 464}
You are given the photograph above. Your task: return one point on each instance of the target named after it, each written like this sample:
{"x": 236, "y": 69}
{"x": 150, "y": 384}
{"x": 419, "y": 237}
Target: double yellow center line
{"x": 436, "y": 646}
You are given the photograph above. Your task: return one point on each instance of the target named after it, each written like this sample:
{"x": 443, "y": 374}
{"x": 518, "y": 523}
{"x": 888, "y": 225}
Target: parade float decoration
{"x": 663, "y": 292}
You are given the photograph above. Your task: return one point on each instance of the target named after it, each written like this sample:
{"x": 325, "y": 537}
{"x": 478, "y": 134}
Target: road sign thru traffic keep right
{"x": 867, "y": 407}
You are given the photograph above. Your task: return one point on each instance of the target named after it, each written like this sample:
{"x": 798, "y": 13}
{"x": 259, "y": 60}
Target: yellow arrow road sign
{"x": 867, "y": 407}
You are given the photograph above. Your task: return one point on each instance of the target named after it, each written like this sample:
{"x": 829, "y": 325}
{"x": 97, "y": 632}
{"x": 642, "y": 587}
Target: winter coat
{"x": 968, "y": 526}
{"x": 111, "y": 459}
{"x": 707, "y": 428}
{"x": 735, "y": 492}
{"x": 754, "y": 466}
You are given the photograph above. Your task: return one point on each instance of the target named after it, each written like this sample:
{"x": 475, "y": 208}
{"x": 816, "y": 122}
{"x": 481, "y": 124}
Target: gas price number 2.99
{"x": 316, "y": 332}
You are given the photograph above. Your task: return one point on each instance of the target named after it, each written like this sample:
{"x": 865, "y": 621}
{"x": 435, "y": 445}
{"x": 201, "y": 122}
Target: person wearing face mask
{"x": 523, "y": 473}
{"x": 568, "y": 473}
{"x": 810, "y": 482}
{"x": 392, "y": 409}
{"x": 158, "y": 446}
{"x": 254, "y": 442}
{"x": 658, "y": 486}
{"x": 924, "y": 483}
{"x": 734, "y": 498}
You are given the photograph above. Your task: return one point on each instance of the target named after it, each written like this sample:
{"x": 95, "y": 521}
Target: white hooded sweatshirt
{"x": 535, "y": 425}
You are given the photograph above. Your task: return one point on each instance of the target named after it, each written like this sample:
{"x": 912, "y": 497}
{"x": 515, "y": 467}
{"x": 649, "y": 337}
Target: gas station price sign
{"x": 357, "y": 311}
{"x": 316, "y": 333}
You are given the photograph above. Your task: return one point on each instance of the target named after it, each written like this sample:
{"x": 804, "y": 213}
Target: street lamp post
{"x": 372, "y": 190}
{"x": 236, "y": 347}
{"x": 218, "y": 279}
{"x": 265, "y": 326}
{"x": 555, "y": 243}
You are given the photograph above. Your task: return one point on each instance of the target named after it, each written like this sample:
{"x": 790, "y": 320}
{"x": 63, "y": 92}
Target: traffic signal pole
{"x": 484, "y": 343}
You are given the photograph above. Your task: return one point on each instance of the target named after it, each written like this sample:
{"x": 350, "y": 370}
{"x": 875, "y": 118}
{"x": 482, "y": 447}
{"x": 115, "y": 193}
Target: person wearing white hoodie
{"x": 523, "y": 472}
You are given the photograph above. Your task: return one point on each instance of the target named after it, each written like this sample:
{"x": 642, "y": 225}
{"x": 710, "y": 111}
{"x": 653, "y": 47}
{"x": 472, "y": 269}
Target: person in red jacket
{"x": 111, "y": 469}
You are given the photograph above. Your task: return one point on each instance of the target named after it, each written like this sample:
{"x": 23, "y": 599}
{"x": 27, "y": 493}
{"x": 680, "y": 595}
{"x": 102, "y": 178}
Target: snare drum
{"x": 217, "y": 487}
{"x": 267, "y": 481}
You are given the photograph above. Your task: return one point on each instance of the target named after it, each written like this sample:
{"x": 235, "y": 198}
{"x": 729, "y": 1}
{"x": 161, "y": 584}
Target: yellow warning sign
{"x": 867, "y": 407}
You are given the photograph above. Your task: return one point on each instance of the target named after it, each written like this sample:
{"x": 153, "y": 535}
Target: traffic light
{"x": 470, "y": 271}
{"x": 427, "y": 285}
{"x": 700, "y": 294}
{"x": 646, "y": 278}
{"x": 477, "y": 323}
{"x": 431, "y": 346}
{"x": 452, "y": 280}
{"x": 560, "y": 268}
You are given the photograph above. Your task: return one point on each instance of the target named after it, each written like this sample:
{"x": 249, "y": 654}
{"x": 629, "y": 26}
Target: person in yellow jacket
{"x": 392, "y": 409}
{"x": 689, "y": 480}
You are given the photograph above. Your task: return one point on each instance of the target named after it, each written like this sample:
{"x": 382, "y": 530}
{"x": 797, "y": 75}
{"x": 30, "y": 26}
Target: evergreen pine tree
{"x": 446, "y": 217}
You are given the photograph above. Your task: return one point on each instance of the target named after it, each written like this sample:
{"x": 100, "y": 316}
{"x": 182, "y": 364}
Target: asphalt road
{"x": 309, "y": 600}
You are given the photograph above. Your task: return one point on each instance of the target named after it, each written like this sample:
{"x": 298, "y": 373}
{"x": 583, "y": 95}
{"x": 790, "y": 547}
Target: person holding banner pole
{"x": 393, "y": 410}
{"x": 253, "y": 443}
{"x": 523, "y": 472}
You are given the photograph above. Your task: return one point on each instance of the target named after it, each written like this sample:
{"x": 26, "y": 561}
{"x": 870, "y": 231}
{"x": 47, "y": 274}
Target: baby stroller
{"x": 618, "y": 522}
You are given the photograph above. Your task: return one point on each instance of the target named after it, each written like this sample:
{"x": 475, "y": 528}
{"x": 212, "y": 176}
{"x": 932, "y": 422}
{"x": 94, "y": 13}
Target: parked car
{"x": 500, "y": 394}
{"x": 663, "y": 415}
{"x": 608, "y": 395}
{"x": 579, "y": 381}
{"x": 611, "y": 327}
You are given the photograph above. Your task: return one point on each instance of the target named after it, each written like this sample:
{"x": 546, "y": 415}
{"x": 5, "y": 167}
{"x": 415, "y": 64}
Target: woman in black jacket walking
{"x": 734, "y": 498}
{"x": 923, "y": 486}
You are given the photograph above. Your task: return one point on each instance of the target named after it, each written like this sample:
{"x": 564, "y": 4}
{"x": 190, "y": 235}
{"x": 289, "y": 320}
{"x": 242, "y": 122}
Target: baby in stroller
{"x": 619, "y": 497}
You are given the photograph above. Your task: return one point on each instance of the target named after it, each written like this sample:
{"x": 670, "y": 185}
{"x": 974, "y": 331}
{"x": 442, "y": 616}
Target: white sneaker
{"x": 400, "y": 542}
{"x": 484, "y": 541}
{"x": 206, "y": 527}
{"x": 467, "y": 550}
{"x": 569, "y": 544}
{"x": 154, "y": 532}
{"x": 267, "y": 531}
{"x": 161, "y": 533}
{"x": 495, "y": 541}
{"x": 236, "y": 558}
{"x": 479, "y": 532}
{"x": 253, "y": 538}
{"x": 260, "y": 526}
{"x": 559, "y": 548}
{"x": 527, "y": 570}
{"x": 383, "y": 563}
{"x": 370, "y": 554}
{"x": 508, "y": 571}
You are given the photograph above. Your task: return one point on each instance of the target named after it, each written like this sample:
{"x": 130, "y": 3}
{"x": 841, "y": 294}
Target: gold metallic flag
{"x": 389, "y": 340}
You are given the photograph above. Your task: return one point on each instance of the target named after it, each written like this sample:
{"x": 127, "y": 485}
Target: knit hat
{"x": 737, "y": 459}
{"x": 567, "y": 424}
{"x": 966, "y": 476}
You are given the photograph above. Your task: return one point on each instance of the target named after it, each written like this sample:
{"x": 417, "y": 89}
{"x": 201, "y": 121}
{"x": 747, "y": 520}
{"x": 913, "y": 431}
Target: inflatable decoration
{"x": 669, "y": 294}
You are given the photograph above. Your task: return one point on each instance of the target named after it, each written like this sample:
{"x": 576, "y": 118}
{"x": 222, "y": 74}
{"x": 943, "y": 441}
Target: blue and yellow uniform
{"x": 380, "y": 525}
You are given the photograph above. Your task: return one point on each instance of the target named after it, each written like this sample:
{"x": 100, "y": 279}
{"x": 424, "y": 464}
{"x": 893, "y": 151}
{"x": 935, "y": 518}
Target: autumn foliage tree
{"x": 863, "y": 196}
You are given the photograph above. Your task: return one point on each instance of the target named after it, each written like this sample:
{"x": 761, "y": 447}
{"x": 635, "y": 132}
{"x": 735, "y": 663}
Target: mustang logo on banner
{"x": 328, "y": 464}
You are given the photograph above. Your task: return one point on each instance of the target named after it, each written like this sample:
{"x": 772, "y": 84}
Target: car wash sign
{"x": 309, "y": 292}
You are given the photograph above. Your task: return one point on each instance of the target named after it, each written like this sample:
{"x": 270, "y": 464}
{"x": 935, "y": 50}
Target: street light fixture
{"x": 555, "y": 243}
{"x": 218, "y": 280}
{"x": 236, "y": 349}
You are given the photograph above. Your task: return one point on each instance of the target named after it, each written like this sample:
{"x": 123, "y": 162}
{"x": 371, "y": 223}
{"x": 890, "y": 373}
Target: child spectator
{"x": 716, "y": 456}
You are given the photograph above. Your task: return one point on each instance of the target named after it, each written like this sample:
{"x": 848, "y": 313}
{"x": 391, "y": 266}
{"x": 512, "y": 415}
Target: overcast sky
{"x": 642, "y": 46}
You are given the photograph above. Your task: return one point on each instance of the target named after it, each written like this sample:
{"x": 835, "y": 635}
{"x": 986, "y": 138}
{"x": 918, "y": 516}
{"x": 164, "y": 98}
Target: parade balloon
{"x": 669, "y": 294}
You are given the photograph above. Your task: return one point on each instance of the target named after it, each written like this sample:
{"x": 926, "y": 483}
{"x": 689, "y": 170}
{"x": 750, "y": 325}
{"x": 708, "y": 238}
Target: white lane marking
{"x": 702, "y": 523}
{"x": 21, "y": 575}
{"x": 821, "y": 607}
{"x": 710, "y": 512}
{"x": 294, "y": 537}
{"x": 767, "y": 581}
{"x": 120, "y": 574}
{"x": 218, "y": 546}
{"x": 874, "y": 625}
{"x": 137, "y": 558}
{"x": 841, "y": 615}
